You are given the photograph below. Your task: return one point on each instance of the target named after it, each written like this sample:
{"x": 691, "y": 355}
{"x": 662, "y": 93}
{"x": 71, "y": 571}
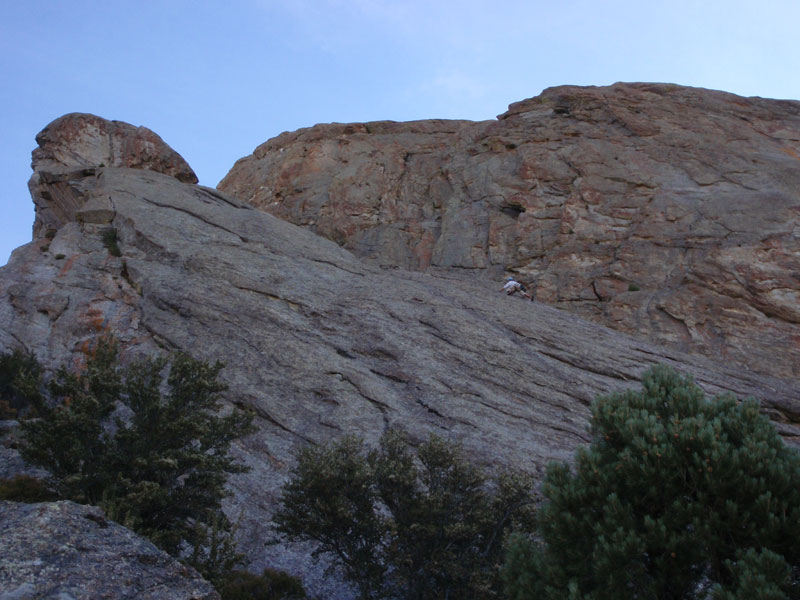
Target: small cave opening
{"x": 512, "y": 210}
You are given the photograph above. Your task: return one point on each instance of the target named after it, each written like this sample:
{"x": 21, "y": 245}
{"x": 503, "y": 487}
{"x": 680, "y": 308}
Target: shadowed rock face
{"x": 63, "y": 550}
{"x": 319, "y": 342}
{"x": 655, "y": 209}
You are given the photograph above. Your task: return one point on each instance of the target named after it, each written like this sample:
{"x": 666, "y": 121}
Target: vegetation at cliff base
{"x": 403, "y": 526}
{"x": 678, "y": 497}
{"x": 270, "y": 585}
{"x": 146, "y": 443}
{"x": 20, "y": 382}
{"x": 25, "y": 488}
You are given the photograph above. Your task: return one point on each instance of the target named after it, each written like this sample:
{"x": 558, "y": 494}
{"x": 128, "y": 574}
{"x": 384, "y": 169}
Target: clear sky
{"x": 215, "y": 79}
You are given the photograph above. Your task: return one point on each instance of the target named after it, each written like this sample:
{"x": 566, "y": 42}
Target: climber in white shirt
{"x": 512, "y": 286}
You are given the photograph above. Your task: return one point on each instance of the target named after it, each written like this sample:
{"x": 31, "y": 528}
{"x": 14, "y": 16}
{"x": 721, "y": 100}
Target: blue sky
{"x": 216, "y": 79}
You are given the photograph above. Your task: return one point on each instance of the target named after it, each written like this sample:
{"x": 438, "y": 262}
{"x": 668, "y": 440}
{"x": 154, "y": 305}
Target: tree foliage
{"x": 25, "y": 488}
{"x": 758, "y": 575}
{"x": 270, "y": 585}
{"x": 147, "y": 443}
{"x": 676, "y": 494}
{"x": 20, "y": 383}
{"x": 403, "y": 526}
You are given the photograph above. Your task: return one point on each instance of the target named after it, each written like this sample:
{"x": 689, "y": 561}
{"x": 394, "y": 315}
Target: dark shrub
{"x": 24, "y": 488}
{"x": 20, "y": 383}
{"x": 111, "y": 242}
{"x": 271, "y": 585}
{"x": 675, "y": 495}
{"x": 160, "y": 470}
{"x": 401, "y": 526}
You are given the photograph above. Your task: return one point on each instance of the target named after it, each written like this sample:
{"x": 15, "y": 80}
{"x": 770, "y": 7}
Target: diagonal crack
{"x": 196, "y": 216}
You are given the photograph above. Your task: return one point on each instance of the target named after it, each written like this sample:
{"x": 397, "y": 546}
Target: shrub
{"x": 400, "y": 526}
{"x": 24, "y": 488}
{"x": 20, "y": 383}
{"x": 69, "y": 438}
{"x": 633, "y": 287}
{"x": 271, "y": 585}
{"x": 676, "y": 494}
{"x": 156, "y": 462}
{"x": 111, "y": 242}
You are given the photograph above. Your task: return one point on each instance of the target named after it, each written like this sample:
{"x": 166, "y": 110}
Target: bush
{"x": 24, "y": 488}
{"x": 400, "y": 527}
{"x": 155, "y": 462}
{"x": 676, "y": 494}
{"x": 271, "y": 585}
{"x": 111, "y": 242}
{"x": 20, "y": 383}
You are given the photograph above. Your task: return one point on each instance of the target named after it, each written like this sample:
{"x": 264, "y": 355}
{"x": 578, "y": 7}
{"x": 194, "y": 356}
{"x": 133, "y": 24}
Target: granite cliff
{"x": 318, "y": 339}
{"x": 658, "y": 210}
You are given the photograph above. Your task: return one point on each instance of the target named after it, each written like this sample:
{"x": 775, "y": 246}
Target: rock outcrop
{"x": 66, "y": 551}
{"x": 319, "y": 342}
{"x": 81, "y": 141}
{"x": 658, "y": 210}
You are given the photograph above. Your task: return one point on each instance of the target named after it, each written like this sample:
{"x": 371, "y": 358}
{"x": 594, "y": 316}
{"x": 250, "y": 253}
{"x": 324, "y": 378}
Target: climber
{"x": 512, "y": 286}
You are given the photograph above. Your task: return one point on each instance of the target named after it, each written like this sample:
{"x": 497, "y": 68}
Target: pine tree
{"x": 146, "y": 443}
{"x": 756, "y": 575}
{"x": 672, "y": 490}
{"x": 69, "y": 438}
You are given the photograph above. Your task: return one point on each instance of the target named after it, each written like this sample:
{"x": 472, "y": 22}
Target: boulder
{"x": 66, "y": 551}
{"x": 658, "y": 210}
{"x": 79, "y": 142}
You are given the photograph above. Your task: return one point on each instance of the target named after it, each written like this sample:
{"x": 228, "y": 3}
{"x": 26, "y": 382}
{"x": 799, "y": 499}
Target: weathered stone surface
{"x": 320, "y": 343}
{"x": 655, "y": 209}
{"x": 64, "y": 551}
{"x": 80, "y": 141}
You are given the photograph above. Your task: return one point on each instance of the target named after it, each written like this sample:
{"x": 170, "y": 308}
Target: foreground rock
{"x": 655, "y": 209}
{"x": 64, "y": 551}
{"x": 319, "y": 343}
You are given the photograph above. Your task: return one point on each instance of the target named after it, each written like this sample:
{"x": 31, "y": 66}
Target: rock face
{"x": 655, "y": 209}
{"x": 78, "y": 141}
{"x": 65, "y": 551}
{"x": 319, "y": 342}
